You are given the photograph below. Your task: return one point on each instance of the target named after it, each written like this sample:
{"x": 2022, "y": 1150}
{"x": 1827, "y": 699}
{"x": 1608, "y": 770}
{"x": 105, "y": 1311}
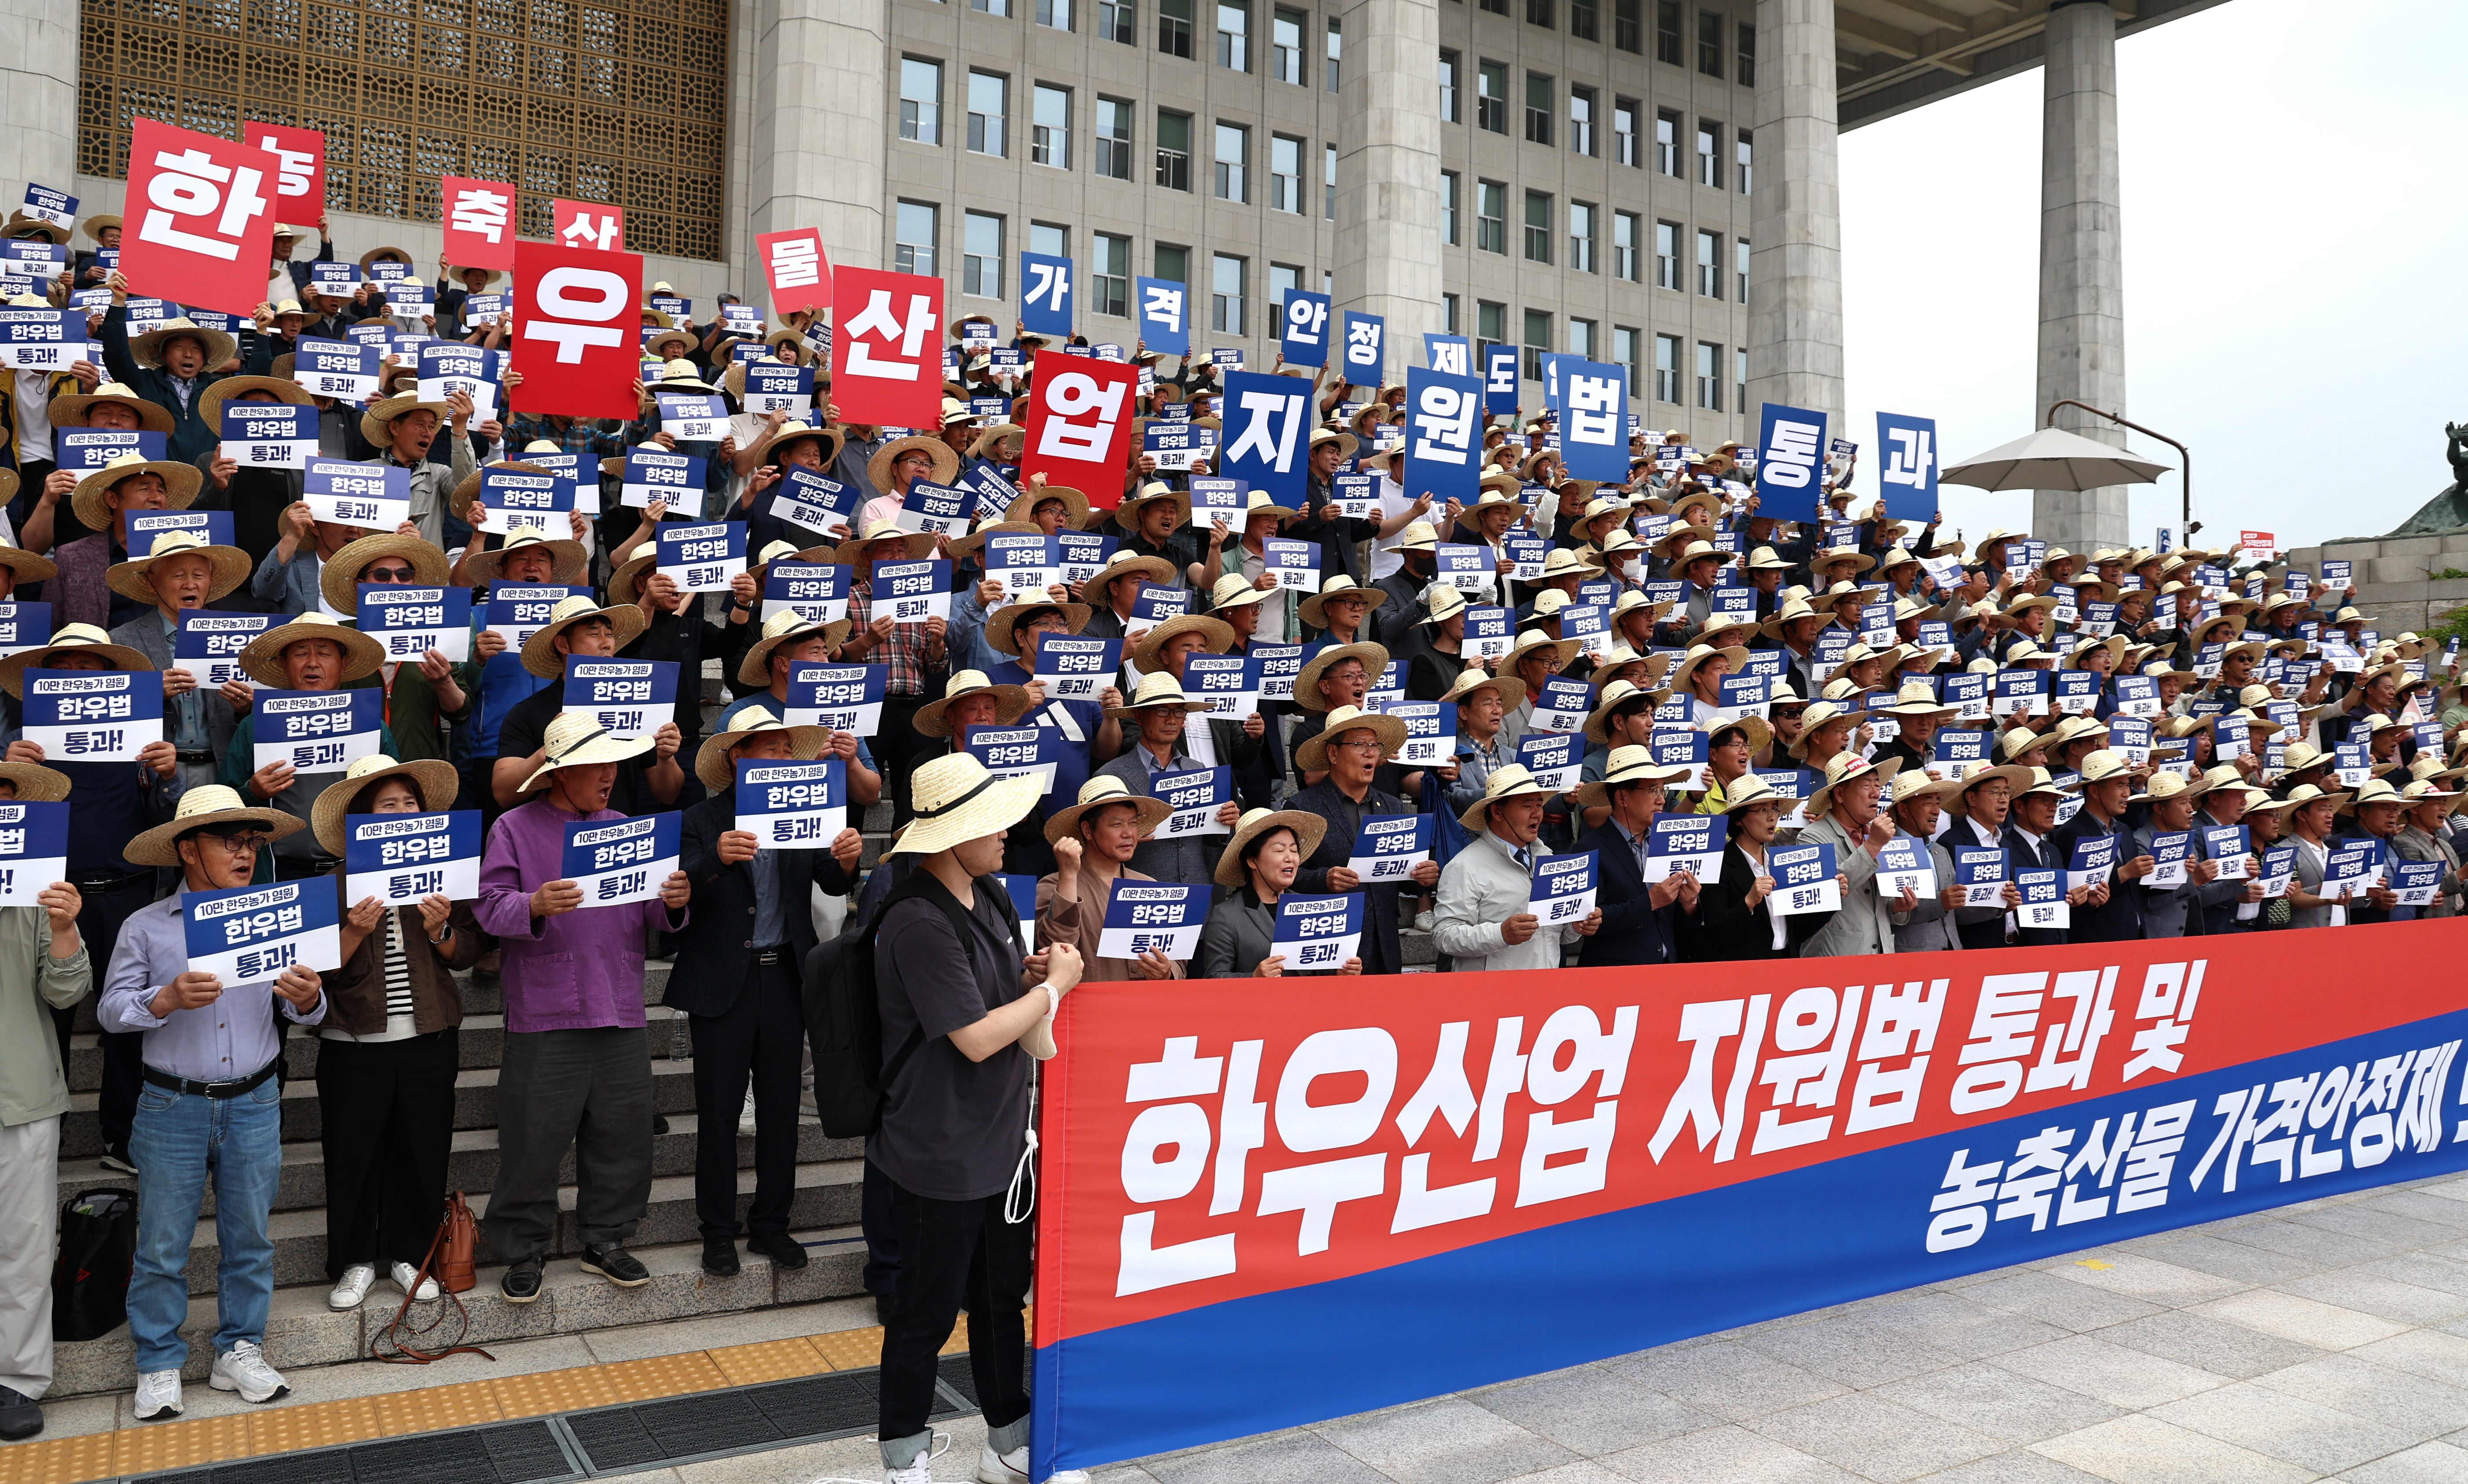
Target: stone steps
{"x": 481, "y": 1043}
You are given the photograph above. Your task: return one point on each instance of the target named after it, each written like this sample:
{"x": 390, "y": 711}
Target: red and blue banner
{"x": 1304, "y": 1200}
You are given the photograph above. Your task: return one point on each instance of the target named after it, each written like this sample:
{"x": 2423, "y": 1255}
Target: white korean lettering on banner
{"x": 190, "y": 185}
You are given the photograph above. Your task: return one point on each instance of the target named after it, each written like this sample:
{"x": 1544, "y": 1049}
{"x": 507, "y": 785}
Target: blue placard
{"x": 1430, "y": 730}
{"x": 2171, "y": 851}
{"x": 372, "y": 496}
{"x": 1303, "y": 335}
{"x": 1153, "y": 917}
{"x": 1076, "y": 667}
{"x": 1164, "y": 327}
{"x": 318, "y": 731}
{"x": 82, "y": 715}
{"x": 1958, "y": 749}
{"x": 2094, "y": 856}
{"x": 1366, "y": 348}
{"x": 1562, "y": 705}
{"x": 1908, "y": 477}
{"x": 1500, "y": 381}
{"x": 624, "y": 697}
{"x": 1196, "y": 796}
{"x": 1553, "y": 757}
{"x": 1727, "y": 606}
{"x": 145, "y": 527}
{"x": 812, "y": 501}
{"x": 42, "y": 339}
{"x": 815, "y": 591}
{"x": 1791, "y": 462}
{"x": 447, "y": 367}
{"x": 1085, "y": 552}
{"x": 1157, "y": 603}
{"x": 33, "y": 850}
{"x": 789, "y": 805}
{"x": 519, "y": 610}
{"x": 1453, "y": 355}
{"x": 1026, "y": 564}
{"x": 2227, "y": 842}
{"x": 1981, "y": 871}
{"x": 654, "y": 473}
{"x": 1593, "y": 402}
{"x": 512, "y": 501}
{"x": 1443, "y": 436}
{"x": 1267, "y": 426}
{"x": 83, "y": 450}
{"x": 1318, "y": 934}
{"x": 399, "y": 858}
{"x": 1901, "y": 858}
{"x": 1468, "y": 569}
{"x": 251, "y": 934}
{"x": 208, "y": 644}
{"x": 843, "y": 698}
{"x": 1490, "y": 632}
{"x": 1046, "y": 294}
{"x": 1685, "y": 842}
{"x": 24, "y": 625}
{"x": 620, "y": 860}
{"x": 774, "y": 385}
{"x": 1388, "y": 847}
{"x": 412, "y": 620}
{"x": 2075, "y": 690}
{"x": 995, "y": 494}
{"x": 1019, "y": 752}
{"x": 701, "y": 557}
{"x": 1565, "y": 887}
{"x": 1803, "y": 878}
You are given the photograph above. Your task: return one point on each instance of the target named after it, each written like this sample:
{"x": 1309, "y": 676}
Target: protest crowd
{"x": 627, "y": 686}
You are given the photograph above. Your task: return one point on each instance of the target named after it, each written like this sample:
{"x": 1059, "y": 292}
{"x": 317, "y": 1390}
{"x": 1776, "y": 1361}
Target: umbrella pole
{"x": 2186, "y": 475}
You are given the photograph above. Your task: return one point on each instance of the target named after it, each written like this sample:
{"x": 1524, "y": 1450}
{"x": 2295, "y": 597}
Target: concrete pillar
{"x": 38, "y": 81}
{"x": 2082, "y": 292}
{"x": 821, "y": 87}
{"x": 1795, "y": 216}
{"x": 1388, "y": 172}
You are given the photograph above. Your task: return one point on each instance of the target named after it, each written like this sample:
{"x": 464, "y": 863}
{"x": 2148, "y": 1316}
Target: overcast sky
{"x": 2296, "y": 216}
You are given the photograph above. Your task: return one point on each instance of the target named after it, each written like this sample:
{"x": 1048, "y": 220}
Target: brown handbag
{"x": 449, "y": 1261}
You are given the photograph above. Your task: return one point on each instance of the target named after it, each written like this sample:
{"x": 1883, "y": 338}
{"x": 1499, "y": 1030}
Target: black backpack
{"x": 844, "y": 1018}
{"x": 98, "y": 1250}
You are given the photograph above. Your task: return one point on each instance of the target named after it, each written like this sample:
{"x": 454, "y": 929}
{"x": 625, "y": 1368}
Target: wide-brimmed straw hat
{"x": 180, "y": 481}
{"x": 262, "y": 660}
{"x": 1157, "y": 690}
{"x": 1511, "y": 690}
{"x": 572, "y": 739}
{"x": 717, "y": 772}
{"x": 1610, "y": 698}
{"x": 210, "y": 803}
{"x": 31, "y": 783}
{"x": 377, "y": 424}
{"x": 1760, "y": 736}
{"x": 84, "y": 639}
{"x": 339, "y": 577}
{"x": 146, "y": 349}
{"x": 1011, "y": 702}
{"x": 1685, "y": 671}
{"x": 1916, "y": 698}
{"x": 956, "y": 800}
{"x": 917, "y": 544}
{"x": 788, "y": 627}
{"x": 490, "y": 566}
{"x": 434, "y": 779}
{"x": 73, "y": 410}
{"x": 1002, "y": 625}
{"x": 1311, "y": 752}
{"x": 211, "y": 400}
{"x": 1843, "y": 768}
{"x": 1218, "y": 633}
{"x": 1075, "y": 505}
{"x": 1309, "y": 831}
{"x": 1749, "y": 790}
{"x": 540, "y": 651}
{"x": 231, "y": 566}
{"x": 947, "y": 464}
{"x": 1097, "y": 793}
{"x": 1512, "y": 782}
{"x": 1374, "y": 658}
{"x": 1315, "y": 608}
{"x": 1630, "y": 765}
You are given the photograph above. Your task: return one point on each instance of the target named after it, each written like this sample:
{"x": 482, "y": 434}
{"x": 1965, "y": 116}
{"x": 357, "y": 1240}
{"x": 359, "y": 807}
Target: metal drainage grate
{"x": 522, "y": 1452}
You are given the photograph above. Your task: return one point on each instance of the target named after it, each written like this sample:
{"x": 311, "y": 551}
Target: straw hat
{"x": 1562, "y": 650}
{"x": 947, "y": 464}
{"x": 2225, "y": 779}
{"x": 1002, "y": 625}
{"x": 262, "y": 660}
{"x": 1629, "y": 764}
{"x": 1217, "y": 634}
{"x": 340, "y": 579}
{"x": 210, "y": 803}
{"x": 1418, "y": 536}
{"x": 1749, "y": 790}
{"x": 490, "y": 566}
{"x": 84, "y": 639}
{"x": 1096, "y": 794}
{"x": 918, "y": 544}
{"x": 1759, "y": 734}
{"x": 2103, "y": 765}
{"x": 230, "y": 568}
{"x": 1983, "y": 771}
{"x": 74, "y": 409}
{"x": 1311, "y": 752}
{"x": 22, "y": 565}
{"x": 2307, "y": 793}
{"x": 180, "y": 481}
{"x": 377, "y": 422}
{"x": 1911, "y": 784}
{"x": 31, "y": 783}
{"x": 146, "y": 349}
{"x": 1511, "y": 690}
{"x": 1683, "y": 673}
{"x": 540, "y": 652}
{"x": 1158, "y": 690}
{"x": 1011, "y": 702}
{"x": 1126, "y": 563}
{"x": 1612, "y": 696}
{"x": 957, "y": 800}
{"x": 1315, "y": 608}
{"x": 794, "y": 432}
{"x": 1512, "y": 782}
{"x": 718, "y": 771}
{"x": 1234, "y": 590}
{"x": 211, "y": 400}
{"x": 784, "y": 628}
{"x": 1309, "y": 829}
{"x": 1843, "y": 768}
{"x": 1916, "y": 698}
{"x": 575, "y": 741}
{"x": 434, "y": 779}
{"x": 1127, "y": 515}
{"x": 1374, "y": 658}
{"x": 1259, "y": 502}
{"x": 1075, "y": 505}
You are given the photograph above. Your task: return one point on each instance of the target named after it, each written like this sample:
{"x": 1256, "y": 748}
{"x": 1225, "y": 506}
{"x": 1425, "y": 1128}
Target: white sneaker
{"x": 1012, "y": 1468}
{"x": 158, "y": 1395}
{"x": 353, "y": 1286}
{"x": 745, "y": 1115}
{"x": 404, "y": 1273}
{"x": 243, "y": 1369}
{"x": 919, "y": 1469}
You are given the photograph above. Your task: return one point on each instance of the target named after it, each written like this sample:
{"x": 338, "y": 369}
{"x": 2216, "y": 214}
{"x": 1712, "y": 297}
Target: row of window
{"x": 1626, "y": 142}
{"x": 1670, "y": 42}
{"x": 1583, "y": 238}
{"x": 1670, "y": 382}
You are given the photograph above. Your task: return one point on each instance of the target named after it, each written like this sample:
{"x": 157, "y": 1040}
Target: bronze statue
{"x": 2448, "y": 511}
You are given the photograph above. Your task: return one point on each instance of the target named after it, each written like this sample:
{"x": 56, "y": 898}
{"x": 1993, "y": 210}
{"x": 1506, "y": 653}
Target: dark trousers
{"x": 591, "y": 1089}
{"x": 896, "y": 746}
{"x": 387, "y": 1110}
{"x": 761, "y": 1037}
{"x": 951, "y": 1251}
{"x": 881, "y": 1237}
{"x": 123, "y": 1067}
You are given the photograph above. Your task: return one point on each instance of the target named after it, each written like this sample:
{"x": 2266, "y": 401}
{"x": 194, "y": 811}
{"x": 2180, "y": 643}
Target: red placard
{"x": 589, "y": 224}
{"x": 886, "y": 358}
{"x": 479, "y": 218}
{"x": 1079, "y": 421}
{"x": 577, "y": 348}
{"x": 800, "y": 271}
{"x": 2259, "y": 545}
{"x": 301, "y": 196}
{"x": 200, "y": 217}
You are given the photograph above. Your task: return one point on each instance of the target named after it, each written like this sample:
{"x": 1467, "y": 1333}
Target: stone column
{"x": 1388, "y": 172}
{"x": 39, "y": 80}
{"x": 2081, "y": 294}
{"x": 1795, "y": 216}
{"x": 821, "y": 85}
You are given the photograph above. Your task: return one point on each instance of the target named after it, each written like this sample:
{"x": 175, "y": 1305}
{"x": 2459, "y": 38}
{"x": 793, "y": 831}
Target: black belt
{"x": 112, "y": 884}
{"x": 768, "y": 956}
{"x": 305, "y": 867}
{"x": 196, "y": 754}
{"x": 211, "y": 1090}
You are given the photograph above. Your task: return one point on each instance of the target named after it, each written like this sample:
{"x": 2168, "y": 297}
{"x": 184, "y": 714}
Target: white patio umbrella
{"x": 2052, "y": 459}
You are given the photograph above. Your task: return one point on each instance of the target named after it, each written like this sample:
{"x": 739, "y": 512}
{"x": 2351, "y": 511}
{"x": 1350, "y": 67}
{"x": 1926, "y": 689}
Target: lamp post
{"x": 2186, "y": 475}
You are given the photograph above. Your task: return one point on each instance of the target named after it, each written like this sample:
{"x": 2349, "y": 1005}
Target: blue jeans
{"x": 178, "y": 1143}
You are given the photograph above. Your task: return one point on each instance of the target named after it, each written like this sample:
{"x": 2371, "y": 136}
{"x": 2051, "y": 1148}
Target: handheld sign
{"x": 1229, "y": 683}
{"x": 1805, "y": 879}
{"x": 146, "y": 527}
{"x": 412, "y": 620}
{"x": 42, "y": 339}
{"x": 624, "y": 697}
{"x": 512, "y": 502}
{"x": 843, "y": 698}
{"x": 693, "y": 417}
{"x": 208, "y": 644}
{"x": 318, "y": 731}
{"x": 1018, "y": 752}
{"x": 520, "y": 610}
{"x": 1966, "y": 694}
{"x": 2075, "y": 693}
{"x": 1563, "y": 706}
{"x": 1211, "y": 499}
{"x": 79, "y": 715}
{"x": 1906, "y": 864}
{"x": 1356, "y": 495}
{"x": 1489, "y": 634}
{"x": 1530, "y": 553}
{"x": 2418, "y": 884}
{"x": 813, "y": 501}
{"x": 1980, "y": 873}
{"x": 251, "y": 934}
{"x": 792, "y": 806}
{"x": 24, "y": 625}
{"x": 1589, "y": 624}
{"x": 2353, "y": 762}
{"x": 703, "y": 559}
{"x": 2093, "y": 858}
{"x": 2021, "y": 693}
{"x": 1565, "y": 888}
{"x": 1956, "y": 750}
{"x": 1157, "y": 604}
{"x": 815, "y": 591}
{"x": 673, "y": 479}
{"x": 1280, "y": 666}
{"x": 1388, "y": 847}
{"x": 933, "y": 509}
{"x": 1294, "y": 564}
{"x": 1174, "y": 445}
{"x": 1318, "y": 934}
{"x": 2044, "y": 905}
{"x": 2231, "y": 845}
{"x": 1683, "y": 748}
{"x": 399, "y": 858}
{"x": 83, "y": 450}
{"x": 2352, "y": 866}
{"x": 2137, "y": 695}
{"x": 1553, "y": 757}
{"x": 33, "y": 850}
{"x": 1468, "y": 569}
{"x": 2171, "y": 855}
{"x": 911, "y": 592}
{"x": 447, "y": 367}
{"x": 268, "y": 435}
{"x": 374, "y": 497}
{"x": 2130, "y": 738}
{"x": 1684, "y": 842}
{"x": 1084, "y": 553}
{"x": 1431, "y": 731}
{"x": 777, "y": 386}
{"x": 1153, "y": 917}
{"x": 620, "y": 860}
{"x": 1077, "y": 669}
{"x": 1196, "y": 795}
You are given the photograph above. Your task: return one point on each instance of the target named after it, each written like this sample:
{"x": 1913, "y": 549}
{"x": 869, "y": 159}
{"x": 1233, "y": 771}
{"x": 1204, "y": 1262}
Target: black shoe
{"x": 659, "y": 1125}
{"x": 114, "y": 1157}
{"x": 520, "y": 1282}
{"x": 882, "y": 1306}
{"x": 719, "y": 1256}
{"x": 618, "y": 1266}
{"x": 783, "y": 1250}
{"x": 20, "y": 1417}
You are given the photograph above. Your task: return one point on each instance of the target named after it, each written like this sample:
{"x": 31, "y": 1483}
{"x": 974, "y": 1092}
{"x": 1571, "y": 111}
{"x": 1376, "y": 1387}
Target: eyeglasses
{"x": 1371, "y": 746}
{"x": 245, "y": 843}
{"x": 388, "y": 575}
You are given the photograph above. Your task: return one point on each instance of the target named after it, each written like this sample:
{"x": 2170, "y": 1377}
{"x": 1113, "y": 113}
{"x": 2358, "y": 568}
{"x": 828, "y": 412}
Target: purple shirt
{"x": 577, "y": 970}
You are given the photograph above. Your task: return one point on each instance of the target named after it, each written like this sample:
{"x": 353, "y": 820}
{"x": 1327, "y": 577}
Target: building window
{"x": 1284, "y": 277}
{"x": 1537, "y": 342}
{"x": 1709, "y": 375}
{"x": 1666, "y": 369}
{"x": 1666, "y": 255}
{"x": 1233, "y": 154}
{"x": 1740, "y": 263}
{"x": 913, "y": 237}
{"x": 1448, "y": 86}
{"x": 1115, "y": 21}
{"x": 1285, "y": 173}
{"x": 1491, "y": 96}
{"x": 1624, "y": 355}
{"x": 1537, "y": 107}
{"x": 1709, "y": 43}
{"x": 1115, "y": 138}
{"x": 1747, "y": 78}
{"x": 1449, "y": 207}
{"x": 1234, "y": 35}
{"x": 1624, "y": 131}
{"x": 1740, "y": 373}
{"x": 1709, "y": 265}
{"x": 1628, "y": 25}
{"x": 1490, "y": 327}
{"x": 1744, "y": 156}
{"x": 991, "y": 6}
{"x": 1667, "y": 143}
{"x": 1495, "y": 7}
{"x": 1327, "y": 73}
{"x": 981, "y": 261}
{"x": 1581, "y": 120}
{"x": 1226, "y": 294}
{"x": 1491, "y": 218}
{"x": 1538, "y": 226}
{"x": 1113, "y": 274}
{"x": 1055, "y": 13}
{"x": 1538, "y": 13}
{"x": 1050, "y": 240}
{"x": 988, "y": 101}
{"x": 1328, "y": 282}
{"x": 1710, "y": 153}
{"x": 1582, "y": 23}
{"x": 1173, "y": 150}
{"x": 1625, "y": 227}
{"x": 921, "y": 101}
{"x": 1049, "y": 137}
{"x": 1328, "y": 182}
{"x": 1581, "y": 338}
{"x": 1581, "y": 237}
{"x": 1286, "y": 45}
{"x": 1448, "y": 314}
{"x": 1172, "y": 264}
{"x": 1174, "y": 27}
{"x": 1666, "y": 31}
